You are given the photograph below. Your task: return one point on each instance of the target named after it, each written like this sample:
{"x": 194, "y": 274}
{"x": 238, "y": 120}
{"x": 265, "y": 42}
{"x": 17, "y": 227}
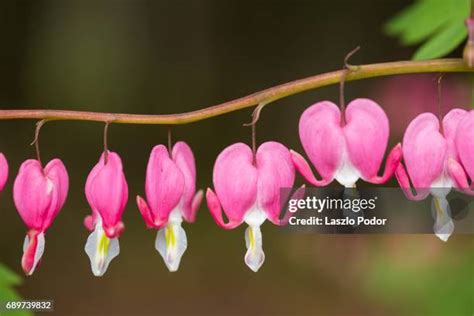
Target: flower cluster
{"x": 343, "y": 146}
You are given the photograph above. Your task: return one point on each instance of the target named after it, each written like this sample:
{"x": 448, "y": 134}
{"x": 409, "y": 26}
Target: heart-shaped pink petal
{"x": 235, "y": 182}
{"x": 424, "y": 150}
{"x": 275, "y": 172}
{"x": 465, "y": 143}
{"x": 322, "y": 137}
{"x": 366, "y": 132}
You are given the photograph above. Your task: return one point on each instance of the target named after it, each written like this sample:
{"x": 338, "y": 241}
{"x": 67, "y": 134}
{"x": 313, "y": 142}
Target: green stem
{"x": 264, "y": 96}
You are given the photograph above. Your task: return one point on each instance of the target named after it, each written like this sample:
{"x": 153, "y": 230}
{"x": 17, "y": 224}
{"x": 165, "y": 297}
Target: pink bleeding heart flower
{"x": 107, "y": 194}
{"x": 39, "y": 194}
{"x": 3, "y": 171}
{"x": 428, "y": 153}
{"x": 248, "y": 190}
{"x": 462, "y": 170}
{"x": 346, "y": 147}
{"x": 170, "y": 191}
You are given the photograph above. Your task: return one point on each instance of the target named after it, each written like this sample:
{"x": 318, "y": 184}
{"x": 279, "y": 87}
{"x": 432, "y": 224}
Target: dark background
{"x": 177, "y": 56}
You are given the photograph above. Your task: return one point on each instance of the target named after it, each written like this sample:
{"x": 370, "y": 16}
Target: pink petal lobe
{"x": 305, "y": 170}
{"x": 32, "y": 194}
{"x": 275, "y": 171}
{"x": 322, "y": 138}
{"x": 146, "y": 214}
{"x": 404, "y": 181}
{"x": 92, "y": 174}
{"x": 190, "y": 216}
{"x": 164, "y": 184}
{"x": 393, "y": 160}
{"x": 235, "y": 181}
{"x": 115, "y": 230}
{"x": 183, "y": 157}
{"x": 3, "y": 171}
{"x": 366, "y": 133}
{"x": 451, "y": 122}
{"x": 424, "y": 150}
{"x": 216, "y": 211}
{"x": 56, "y": 172}
{"x": 298, "y": 194}
{"x": 89, "y": 222}
{"x": 465, "y": 143}
{"x": 450, "y": 126}
{"x": 91, "y": 219}
{"x": 457, "y": 173}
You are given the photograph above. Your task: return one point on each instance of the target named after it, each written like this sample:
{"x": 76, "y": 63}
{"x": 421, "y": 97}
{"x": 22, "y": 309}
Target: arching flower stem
{"x": 265, "y": 96}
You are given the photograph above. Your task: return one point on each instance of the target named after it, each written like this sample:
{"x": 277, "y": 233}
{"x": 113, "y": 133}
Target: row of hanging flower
{"x": 343, "y": 146}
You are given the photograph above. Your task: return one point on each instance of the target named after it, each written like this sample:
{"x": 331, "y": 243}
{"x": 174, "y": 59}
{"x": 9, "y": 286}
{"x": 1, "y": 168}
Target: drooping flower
{"x": 427, "y": 152}
{"x": 248, "y": 190}
{"x": 170, "y": 191}
{"x": 3, "y": 171}
{"x": 39, "y": 194}
{"x": 462, "y": 170}
{"x": 345, "y": 147}
{"x": 107, "y": 194}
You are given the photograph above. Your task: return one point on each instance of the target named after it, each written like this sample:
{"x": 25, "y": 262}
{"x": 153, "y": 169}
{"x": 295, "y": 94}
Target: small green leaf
{"x": 8, "y": 277}
{"x": 406, "y": 18}
{"x": 442, "y": 43}
{"x": 8, "y": 294}
{"x": 439, "y": 24}
{"x": 429, "y": 22}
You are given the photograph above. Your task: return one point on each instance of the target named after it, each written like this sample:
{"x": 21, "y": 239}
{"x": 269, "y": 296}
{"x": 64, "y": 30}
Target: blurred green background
{"x": 175, "y": 56}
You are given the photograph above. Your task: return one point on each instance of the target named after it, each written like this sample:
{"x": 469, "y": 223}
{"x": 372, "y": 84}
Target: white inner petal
{"x": 444, "y": 226}
{"x": 171, "y": 242}
{"x": 255, "y": 216}
{"x": 254, "y": 256}
{"x": 176, "y": 216}
{"x": 346, "y": 174}
{"x": 101, "y": 249}
{"x": 442, "y": 185}
{"x": 38, "y": 251}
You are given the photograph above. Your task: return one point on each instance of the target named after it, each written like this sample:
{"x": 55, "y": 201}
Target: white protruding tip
{"x": 38, "y": 252}
{"x": 171, "y": 243}
{"x": 255, "y": 256}
{"x": 101, "y": 250}
{"x": 443, "y": 226}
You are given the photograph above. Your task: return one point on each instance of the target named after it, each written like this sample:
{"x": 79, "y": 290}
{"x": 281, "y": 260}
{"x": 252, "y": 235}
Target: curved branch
{"x": 264, "y": 96}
